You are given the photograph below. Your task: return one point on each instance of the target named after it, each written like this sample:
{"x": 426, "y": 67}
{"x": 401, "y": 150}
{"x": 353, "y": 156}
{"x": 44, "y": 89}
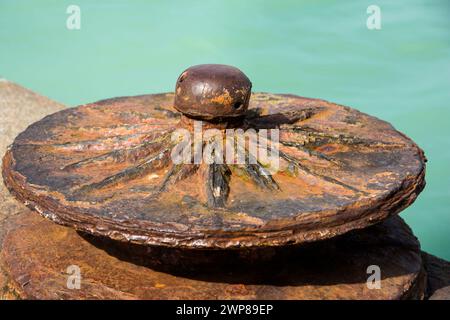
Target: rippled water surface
{"x": 400, "y": 73}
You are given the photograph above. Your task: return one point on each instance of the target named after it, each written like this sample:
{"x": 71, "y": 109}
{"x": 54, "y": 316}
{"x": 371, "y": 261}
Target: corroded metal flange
{"x": 105, "y": 169}
{"x": 35, "y": 272}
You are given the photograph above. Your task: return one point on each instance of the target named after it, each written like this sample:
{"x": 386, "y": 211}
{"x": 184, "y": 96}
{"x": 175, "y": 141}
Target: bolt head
{"x": 212, "y": 92}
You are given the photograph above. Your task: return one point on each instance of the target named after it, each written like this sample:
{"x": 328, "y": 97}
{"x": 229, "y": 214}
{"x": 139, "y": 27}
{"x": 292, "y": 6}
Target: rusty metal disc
{"x": 35, "y": 272}
{"x": 105, "y": 168}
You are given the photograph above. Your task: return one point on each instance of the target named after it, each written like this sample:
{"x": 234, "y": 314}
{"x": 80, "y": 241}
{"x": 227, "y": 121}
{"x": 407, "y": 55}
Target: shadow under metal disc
{"x": 36, "y": 255}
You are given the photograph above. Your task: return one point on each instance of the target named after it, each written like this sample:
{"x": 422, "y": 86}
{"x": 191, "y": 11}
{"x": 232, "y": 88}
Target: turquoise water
{"x": 400, "y": 73}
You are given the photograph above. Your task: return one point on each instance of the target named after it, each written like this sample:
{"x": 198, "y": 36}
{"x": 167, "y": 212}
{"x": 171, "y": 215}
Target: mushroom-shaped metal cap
{"x": 212, "y": 92}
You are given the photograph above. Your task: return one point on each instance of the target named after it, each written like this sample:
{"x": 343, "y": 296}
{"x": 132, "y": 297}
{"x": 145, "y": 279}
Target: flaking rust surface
{"x": 105, "y": 169}
{"x": 37, "y": 253}
{"x": 438, "y": 277}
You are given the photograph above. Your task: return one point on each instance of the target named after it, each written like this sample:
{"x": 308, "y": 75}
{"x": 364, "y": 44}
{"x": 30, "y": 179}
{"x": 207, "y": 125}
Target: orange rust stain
{"x": 332, "y": 148}
{"x": 224, "y": 99}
